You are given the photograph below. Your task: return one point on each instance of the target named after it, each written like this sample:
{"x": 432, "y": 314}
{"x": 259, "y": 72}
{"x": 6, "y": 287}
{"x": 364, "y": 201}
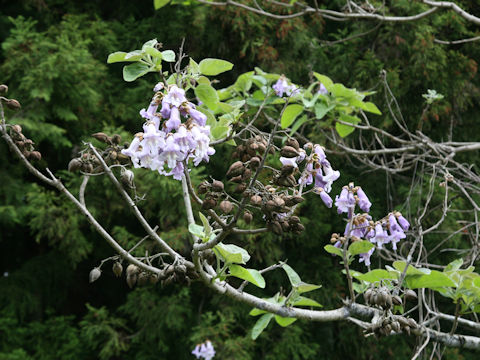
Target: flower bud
{"x": 226, "y": 206}
{"x": 153, "y": 278}
{"x": 246, "y": 157}
{"x": 209, "y": 203}
{"x": 276, "y": 228}
{"x": 410, "y": 295}
{"x": 395, "y": 326}
{"x": 279, "y": 203}
{"x": 240, "y": 188}
{"x": 94, "y": 274}
{"x": 237, "y": 179}
{"x": 367, "y": 295}
{"x": 246, "y": 174}
{"x": 117, "y": 268}
{"x": 13, "y": 104}
{"x": 397, "y": 300}
{"x": 202, "y": 188}
{"x": 255, "y": 162}
{"x": 74, "y": 165}
{"x": 116, "y": 139}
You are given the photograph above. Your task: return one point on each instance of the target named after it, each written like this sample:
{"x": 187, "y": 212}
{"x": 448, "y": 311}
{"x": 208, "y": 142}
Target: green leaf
{"x": 290, "y": 114}
{"x": 168, "y": 56}
{"x": 134, "y": 71}
{"x": 260, "y": 325}
{"x": 299, "y": 123}
{"x": 374, "y": 276}
{"x": 208, "y": 95}
{"x": 211, "y": 67}
{"x": 251, "y": 275}
{"x": 340, "y": 90}
{"x": 116, "y": 57}
{"x": 360, "y": 247}
{"x": 219, "y": 132}
{"x": 193, "y": 67}
{"x": 400, "y": 266}
{"x": 304, "y": 287}
{"x": 134, "y": 55}
{"x": 454, "y": 265}
{"x": 433, "y": 280}
{"x": 157, "y": 4}
{"x": 304, "y": 301}
{"x": 292, "y": 275}
{"x": 196, "y": 230}
{"x": 371, "y": 107}
{"x": 206, "y": 224}
{"x": 325, "y": 80}
{"x": 149, "y": 43}
{"x": 283, "y": 321}
{"x": 232, "y": 253}
{"x": 154, "y": 53}
{"x": 256, "y": 312}
{"x": 345, "y": 130}
{"x": 333, "y": 250}
{"x": 321, "y": 109}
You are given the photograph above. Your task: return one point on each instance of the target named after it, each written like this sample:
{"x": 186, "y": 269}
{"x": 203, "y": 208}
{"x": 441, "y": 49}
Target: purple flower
{"x": 320, "y": 153}
{"x": 177, "y": 171}
{"x": 365, "y": 257}
{"x": 204, "y": 350}
{"x": 184, "y": 139}
{"x": 307, "y": 177}
{"x": 329, "y": 176}
{"x": 199, "y": 117}
{"x": 175, "y": 96}
{"x": 345, "y": 202}
{"x": 174, "y": 121}
{"x": 327, "y": 200}
{"x": 158, "y": 87}
{"x": 171, "y": 153}
{"x": 149, "y": 114}
{"x": 403, "y": 222}
{"x": 322, "y": 89}
{"x": 363, "y": 201}
{"x": 281, "y": 86}
{"x": 165, "y": 111}
{"x": 289, "y": 161}
{"x": 381, "y": 237}
{"x": 202, "y": 151}
{"x": 133, "y": 148}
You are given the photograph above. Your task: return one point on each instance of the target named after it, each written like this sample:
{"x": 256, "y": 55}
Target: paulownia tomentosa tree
{"x": 273, "y": 170}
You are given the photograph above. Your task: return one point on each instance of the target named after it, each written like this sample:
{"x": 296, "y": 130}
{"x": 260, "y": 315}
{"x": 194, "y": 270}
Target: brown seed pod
{"x": 395, "y": 326}
{"x": 246, "y": 174}
{"x": 299, "y": 228}
{"x": 237, "y": 179}
{"x": 412, "y": 323}
{"x": 388, "y": 329}
{"x": 142, "y": 278}
{"x": 294, "y": 220}
{"x": 127, "y": 177}
{"x": 276, "y": 227}
{"x": 17, "y": 128}
{"x": 293, "y": 200}
{"x": 255, "y": 162}
{"x": 116, "y": 139}
{"x": 100, "y": 136}
{"x": 287, "y": 170}
{"x": 367, "y": 294}
{"x": 261, "y": 148}
{"x": 75, "y": 165}
{"x": 13, "y": 104}
{"x": 3, "y": 89}
{"x": 397, "y": 300}
{"x": 209, "y": 203}
{"x": 226, "y": 206}
{"x": 247, "y": 217}
{"x": 94, "y": 274}
{"x": 35, "y": 155}
{"x": 217, "y": 186}
{"x": 407, "y": 329}
{"x": 117, "y": 268}
{"x": 256, "y": 200}
{"x": 270, "y": 205}
{"x": 237, "y": 168}
{"x": 131, "y": 280}
{"x": 180, "y": 269}
{"x": 132, "y": 270}
{"x": 246, "y": 157}
{"x": 279, "y": 202}
{"x": 153, "y": 278}
{"x": 285, "y": 226}
{"x": 410, "y": 295}
{"x": 203, "y": 188}
{"x": 240, "y": 188}
{"x": 289, "y": 152}
{"x": 403, "y": 321}
{"x": 388, "y": 302}
{"x": 293, "y": 143}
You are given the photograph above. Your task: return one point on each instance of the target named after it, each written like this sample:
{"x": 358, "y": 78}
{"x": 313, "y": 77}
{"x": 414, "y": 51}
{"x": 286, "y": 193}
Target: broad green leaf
{"x": 304, "y": 301}
{"x": 134, "y": 71}
{"x": 360, "y": 247}
{"x": 157, "y": 4}
{"x": 153, "y": 52}
{"x": 134, "y": 55}
{"x": 206, "y": 224}
{"x": 321, "y": 109}
{"x": 454, "y": 265}
{"x": 224, "y": 107}
{"x": 251, "y": 275}
{"x": 208, "y": 95}
{"x": 244, "y": 82}
{"x": 196, "y": 230}
{"x": 400, "y": 266}
{"x": 260, "y": 325}
{"x": 476, "y": 282}
{"x": 292, "y": 275}
{"x": 304, "y": 287}
{"x": 193, "y": 67}
{"x": 256, "y": 312}
{"x": 232, "y": 253}
{"x": 345, "y": 130}
{"x": 168, "y": 56}
{"x": 325, "y": 80}
{"x": 290, "y": 114}
{"x": 283, "y": 321}
{"x": 340, "y": 90}
{"x": 375, "y": 275}
{"x": 149, "y": 43}
{"x": 219, "y": 132}
{"x": 433, "y": 280}
{"x": 298, "y": 123}
{"x": 116, "y": 57}
{"x": 211, "y": 67}
{"x": 371, "y": 107}
{"x": 333, "y": 250}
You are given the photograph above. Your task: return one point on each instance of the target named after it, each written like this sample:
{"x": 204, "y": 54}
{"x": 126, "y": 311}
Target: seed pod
{"x": 116, "y": 139}
{"x": 281, "y": 181}
{"x": 203, "y": 188}
{"x": 240, "y": 188}
{"x": 237, "y": 179}
{"x": 13, "y": 104}
{"x": 293, "y": 143}
{"x": 153, "y": 278}
{"x": 75, "y": 165}
{"x": 287, "y": 170}
{"x": 285, "y": 226}
{"x": 217, "y": 186}
{"x": 389, "y": 301}
{"x": 289, "y": 152}
{"x": 397, "y": 300}
{"x": 127, "y": 177}
{"x": 34, "y": 155}
{"x": 100, "y": 136}
{"x": 247, "y": 217}
{"x": 209, "y": 203}
{"x": 3, "y": 89}
{"x": 17, "y": 128}
{"x": 261, "y": 148}
{"x": 181, "y": 269}
{"x": 410, "y": 295}
{"x": 255, "y": 162}
{"x": 373, "y": 297}
{"x": 299, "y": 228}
{"x": 246, "y": 157}
{"x": 367, "y": 295}
{"x": 388, "y": 329}
{"x": 246, "y": 174}
{"x": 132, "y": 270}
{"x": 94, "y": 274}
{"x": 271, "y": 205}
{"x": 279, "y": 202}
{"x": 87, "y": 167}
{"x": 226, "y": 206}
{"x": 412, "y": 323}
{"x": 131, "y": 280}
{"x": 251, "y": 152}
{"x": 403, "y": 321}
{"x": 294, "y": 220}
{"x": 142, "y": 278}
{"x": 256, "y": 200}
{"x": 395, "y": 326}
{"x": 291, "y": 181}
{"x": 237, "y": 168}
{"x": 117, "y": 269}
{"x": 407, "y": 329}
{"x": 276, "y": 228}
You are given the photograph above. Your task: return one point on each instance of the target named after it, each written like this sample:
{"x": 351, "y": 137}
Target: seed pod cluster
{"x": 393, "y": 323}
{"x": 24, "y": 144}
{"x": 253, "y": 147}
{"x": 380, "y": 297}
{"x": 213, "y": 193}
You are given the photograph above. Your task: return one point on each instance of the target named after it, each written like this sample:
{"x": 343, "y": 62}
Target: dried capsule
{"x": 298, "y": 228}
{"x": 100, "y": 136}
{"x": 209, "y": 203}
{"x": 131, "y": 280}
{"x": 285, "y": 226}
{"x": 237, "y": 168}
{"x": 153, "y": 278}
{"x": 247, "y": 217}
{"x": 17, "y": 128}
{"x": 226, "y": 206}
{"x": 410, "y": 295}
{"x": 397, "y": 300}
{"x": 289, "y": 152}
{"x": 217, "y": 186}
{"x": 293, "y": 143}
{"x": 246, "y": 174}
{"x": 142, "y": 278}
{"x": 294, "y": 220}
{"x": 180, "y": 269}
{"x": 203, "y": 188}
{"x": 279, "y": 203}
{"x": 94, "y": 274}
{"x": 240, "y": 188}
{"x": 367, "y": 294}
{"x": 388, "y": 329}
{"x": 34, "y": 155}
{"x": 116, "y": 139}
{"x": 127, "y": 177}
{"x": 271, "y": 205}
{"x": 403, "y": 321}
{"x": 3, "y": 88}
{"x": 75, "y": 165}
{"x": 132, "y": 270}
{"x": 13, "y": 104}
{"x": 395, "y": 326}
{"x": 276, "y": 228}
{"x": 287, "y": 170}
{"x": 237, "y": 179}
{"x": 117, "y": 269}
{"x": 255, "y": 162}
{"x": 412, "y": 323}
{"x": 256, "y": 200}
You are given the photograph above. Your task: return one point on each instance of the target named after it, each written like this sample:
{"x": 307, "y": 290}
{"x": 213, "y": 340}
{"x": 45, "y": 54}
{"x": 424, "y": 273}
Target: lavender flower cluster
{"x": 390, "y": 229}
{"x": 317, "y": 171}
{"x": 166, "y": 142}
{"x": 204, "y": 350}
{"x": 283, "y": 87}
